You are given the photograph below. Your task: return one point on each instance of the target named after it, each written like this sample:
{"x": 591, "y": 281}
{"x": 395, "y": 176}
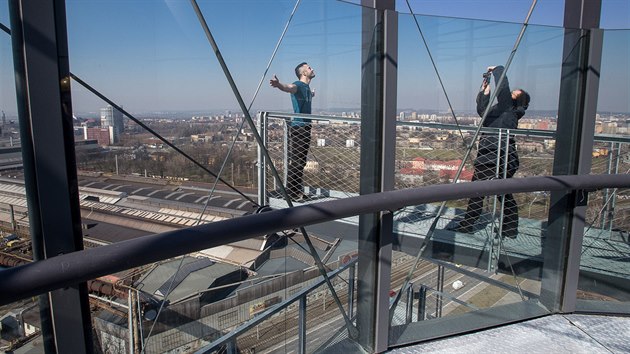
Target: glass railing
{"x": 177, "y": 101}
{"x": 604, "y": 280}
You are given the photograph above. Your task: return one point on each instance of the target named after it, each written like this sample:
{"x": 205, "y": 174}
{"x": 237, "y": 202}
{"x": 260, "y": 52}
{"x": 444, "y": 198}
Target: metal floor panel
{"x": 552, "y": 334}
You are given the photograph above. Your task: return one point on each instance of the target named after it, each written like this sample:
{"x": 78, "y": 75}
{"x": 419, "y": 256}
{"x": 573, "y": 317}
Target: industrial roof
{"x": 182, "y": 277}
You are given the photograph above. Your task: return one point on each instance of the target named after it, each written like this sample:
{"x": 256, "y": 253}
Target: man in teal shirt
{"x": 299, "y": 128}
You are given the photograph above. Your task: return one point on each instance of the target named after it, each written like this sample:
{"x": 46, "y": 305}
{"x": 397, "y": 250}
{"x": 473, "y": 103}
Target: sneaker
{"x": 301, "y": 199}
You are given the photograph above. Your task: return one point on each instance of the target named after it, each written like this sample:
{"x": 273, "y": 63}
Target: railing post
{"x": 422, "y": 302}
{"x": 440, "y": 290}
{"x": 378, "y": 139}
{"x": 604, "y": 213}
{"x": 302, "y": 326}
{"x": 130, "y": 331}
{"x": 351, "y": 279}
{"x": 285, "y": 154}
{"x": 262, "y": 163}
{"x": 574, "y": 143}
{"x": 613, "y": 201}
{"x": 230, "y": 347}
{"x": 409, "y": 314}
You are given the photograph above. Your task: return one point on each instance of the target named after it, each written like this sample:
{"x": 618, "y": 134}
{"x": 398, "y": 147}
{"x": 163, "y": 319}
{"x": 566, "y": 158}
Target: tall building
{"x": 111, "y": 117}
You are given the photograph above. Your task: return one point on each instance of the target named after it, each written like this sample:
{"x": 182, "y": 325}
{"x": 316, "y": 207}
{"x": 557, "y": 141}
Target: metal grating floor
{"x": 552, "y": 334}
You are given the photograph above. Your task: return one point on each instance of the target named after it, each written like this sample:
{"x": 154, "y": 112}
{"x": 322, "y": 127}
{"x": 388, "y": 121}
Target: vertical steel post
{"x": 12, "y": 211}
{"x": 576, "y": 121}
{"x": 40, "y": 47}
{"x": 262, "y": 164}
{"x": 440, "y": 289}
{"x": 422, "y": 302}
{"x": 302, "y": 326}
{"x": 603, "y": 215}
{"x": 613, "y": 200}
{"x": 378, "y": 133}
{"x": 285, "y": 153}
{"x": 351, "y": 279}
{"x": 409, "y": 312}
{"x": 230, "y": 347}
{"x": 130, "y": 331}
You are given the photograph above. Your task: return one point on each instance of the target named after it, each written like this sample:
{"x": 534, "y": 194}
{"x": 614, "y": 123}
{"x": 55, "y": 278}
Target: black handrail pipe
{"x": 64, "y": 270}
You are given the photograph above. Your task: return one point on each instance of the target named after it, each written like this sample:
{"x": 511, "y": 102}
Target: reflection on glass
{"x": 494, "y": 263}
{"x": 603, "y": 265}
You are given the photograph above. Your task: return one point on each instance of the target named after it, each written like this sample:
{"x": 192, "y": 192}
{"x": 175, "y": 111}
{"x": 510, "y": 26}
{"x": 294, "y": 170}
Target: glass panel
{"x": 604, "y": 273}
{"x": 615, "y": 14}
{"x": 148, "y": 89}
{"x": 546, "y": 12}
{"x": 466, "y": 269}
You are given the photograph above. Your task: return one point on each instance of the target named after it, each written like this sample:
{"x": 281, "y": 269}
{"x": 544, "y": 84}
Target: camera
{"x": 486, "y": 77}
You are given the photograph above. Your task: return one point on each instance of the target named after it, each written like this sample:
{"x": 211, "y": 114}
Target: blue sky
{"x": 152, "y": 55}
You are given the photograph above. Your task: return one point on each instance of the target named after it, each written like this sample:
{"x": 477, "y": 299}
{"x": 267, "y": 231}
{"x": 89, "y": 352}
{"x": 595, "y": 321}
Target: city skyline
{"x": 153, "y": 56}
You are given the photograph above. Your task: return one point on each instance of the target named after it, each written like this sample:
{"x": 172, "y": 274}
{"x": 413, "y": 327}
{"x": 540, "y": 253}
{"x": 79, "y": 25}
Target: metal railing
{"x": 427, "y": 154}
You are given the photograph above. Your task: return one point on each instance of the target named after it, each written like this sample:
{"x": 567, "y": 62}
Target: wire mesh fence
{"x": 434, "y": 153}
{"x": 318, "y": 160}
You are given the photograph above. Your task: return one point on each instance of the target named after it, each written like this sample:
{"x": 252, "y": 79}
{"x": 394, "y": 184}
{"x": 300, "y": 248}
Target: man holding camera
{"x": 491, "y": 153}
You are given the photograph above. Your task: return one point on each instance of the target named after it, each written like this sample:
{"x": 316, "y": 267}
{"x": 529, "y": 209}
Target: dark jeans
{"x": 475, "y": 205}
{"x": 299, "y": 142}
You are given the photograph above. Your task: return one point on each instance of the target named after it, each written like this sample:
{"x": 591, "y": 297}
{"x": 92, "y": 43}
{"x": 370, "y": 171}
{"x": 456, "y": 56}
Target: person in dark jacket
{"x": 490, "y": 161}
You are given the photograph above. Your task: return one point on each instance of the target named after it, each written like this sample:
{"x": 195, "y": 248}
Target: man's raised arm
{"x": 290, "y": 88}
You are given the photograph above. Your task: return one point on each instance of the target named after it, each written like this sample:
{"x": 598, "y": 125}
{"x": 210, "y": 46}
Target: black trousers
{"x": 475, "y": 205}
{"x": 299, "y": 142}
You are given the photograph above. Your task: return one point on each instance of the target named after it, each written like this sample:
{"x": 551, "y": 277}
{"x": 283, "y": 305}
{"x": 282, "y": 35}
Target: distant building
{"x": 196, "y": 138}
{"x": 531, "y": 146}
{"x": 445, "y": 169}
{"x": 111, "y": 117}
{"x": 104, "y": 136}
{"x": 311, "y": 166}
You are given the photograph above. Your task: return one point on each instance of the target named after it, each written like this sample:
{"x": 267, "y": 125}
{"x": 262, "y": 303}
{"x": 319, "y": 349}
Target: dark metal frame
{"x": 378, "y": 135}
{"x": 576, "y": 115}
{"x": 43, "y": 89}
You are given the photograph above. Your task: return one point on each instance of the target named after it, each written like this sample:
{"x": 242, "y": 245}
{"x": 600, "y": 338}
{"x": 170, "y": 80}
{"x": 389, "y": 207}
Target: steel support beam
{"x": 351, "y": 280}
{"x": 41, "y": 51}
{"x": 378, "y": 130}
{"x": 302, "y": 326}
{"x": 576, "y": 120}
